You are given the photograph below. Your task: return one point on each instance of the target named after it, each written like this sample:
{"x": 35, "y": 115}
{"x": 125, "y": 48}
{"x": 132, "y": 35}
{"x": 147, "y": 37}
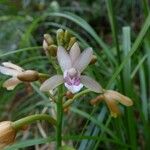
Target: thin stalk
{"x": 30, "y": 119}
{"x": 70, "y": 101}
{"x": 43, "y": 75}
{"x": 59, "y": 119}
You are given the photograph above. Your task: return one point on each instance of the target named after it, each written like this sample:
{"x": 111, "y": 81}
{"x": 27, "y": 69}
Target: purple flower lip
{"x": 72, "y": 77}
{"x": 75, "y": 80}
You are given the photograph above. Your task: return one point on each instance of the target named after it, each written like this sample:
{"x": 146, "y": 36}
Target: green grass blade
{"x": 134, "y": 48}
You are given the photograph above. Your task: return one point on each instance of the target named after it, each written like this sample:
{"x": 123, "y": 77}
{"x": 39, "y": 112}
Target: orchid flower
{"x": 18, "y": 75}
{"x": 112, "y": 98}
{"x": 72, "y": 65}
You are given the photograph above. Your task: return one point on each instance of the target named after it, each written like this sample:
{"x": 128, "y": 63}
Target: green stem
{"x": 70, "y": 101}
{"x": 59, "y": 119}
{"x": 30, "y": 119}
{"x": 43, "y": 75}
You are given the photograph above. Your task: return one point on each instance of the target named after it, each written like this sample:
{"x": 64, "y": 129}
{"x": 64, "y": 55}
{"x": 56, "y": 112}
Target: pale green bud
{"x": 94, "y": 59}
{"x": 67, "y": 37}
{"x": 71, "y": 42}
{"x": 52, "y": 50}
{"x": 60, "y": 37}
{"x": 48, "y": 39}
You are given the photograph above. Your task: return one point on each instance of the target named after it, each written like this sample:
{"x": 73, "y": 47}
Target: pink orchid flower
{"x": 72, "y": 65}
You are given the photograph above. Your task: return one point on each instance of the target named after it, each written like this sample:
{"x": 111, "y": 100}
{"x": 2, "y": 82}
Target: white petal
{"x": 63, "y": 59}
{"x": 8, "y": 71}
{"x": 91, "y": 84}
{"x": 52, "y": 83}
{"x": 74, "y": 52}
{"x": 84, "y": 59}
{"x": 12, "y": 66}
{"x": 73, "y": 88}
{"x": 11, "y": 83}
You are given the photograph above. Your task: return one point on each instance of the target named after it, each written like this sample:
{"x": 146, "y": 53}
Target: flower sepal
{"x": 112, "y": 98}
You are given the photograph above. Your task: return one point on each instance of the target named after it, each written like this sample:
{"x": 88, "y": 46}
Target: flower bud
{"x": 54, "y": 6}
{"x": 69, "y": 95}
{"x": 67, "y": 109}
{"x": 60, "y": 37}
{"x": 7, "y": 133}
{"x": 52, "y": 50}
{"x": 71, "y": 42}
{"x": 67, "y": 37}
{"x": 94, "y": 59}
{"x": 48, "y": 39}
{"x": 28, "y": 76}
{"x": 47, "y": 42}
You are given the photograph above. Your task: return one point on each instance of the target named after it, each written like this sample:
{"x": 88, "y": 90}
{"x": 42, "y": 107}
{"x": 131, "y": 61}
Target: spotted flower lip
{"x": 18, "y": 74}
{"x": 72, "y": 65}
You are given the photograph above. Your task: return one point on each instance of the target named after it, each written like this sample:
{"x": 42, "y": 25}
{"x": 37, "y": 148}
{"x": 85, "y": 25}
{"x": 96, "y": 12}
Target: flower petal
{"x": 73, "y": 88}
{"x": 11, "y": 83}
{"x": 113, "y": 107}
{"x": 52, "y": 83}
{"x": 84, "y": 59}
{"x": 8, "y": 71}
{"x": 91, "y": 84}
{"x": 64, "y": 59}
{"x": 122, "y": 99}
{"x": 12, "y": 66}
{"x": 74, "y": 52}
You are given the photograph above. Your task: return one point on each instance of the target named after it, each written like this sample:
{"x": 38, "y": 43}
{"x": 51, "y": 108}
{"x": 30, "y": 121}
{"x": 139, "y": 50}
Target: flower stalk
{"x": 70, "y": 101}
{"x": 8, "y": 129}
{"x": 30, "y": 119}
{"x": 59, "y": 119}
